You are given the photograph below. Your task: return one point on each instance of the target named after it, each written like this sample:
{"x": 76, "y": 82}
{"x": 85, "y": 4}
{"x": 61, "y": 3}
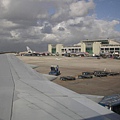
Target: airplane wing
{"x": 27, "y": 95}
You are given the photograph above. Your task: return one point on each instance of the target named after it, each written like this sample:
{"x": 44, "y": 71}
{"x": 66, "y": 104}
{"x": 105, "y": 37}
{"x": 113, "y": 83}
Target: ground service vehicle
{"x": 54, "y": 70}
{"x": 85, "y": 75}
{"x": 64, "y": 78}
{"x": 101, "y": 73}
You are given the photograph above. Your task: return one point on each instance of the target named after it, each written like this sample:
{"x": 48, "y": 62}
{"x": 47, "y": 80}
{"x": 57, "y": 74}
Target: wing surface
{"x": 27, "y": 95}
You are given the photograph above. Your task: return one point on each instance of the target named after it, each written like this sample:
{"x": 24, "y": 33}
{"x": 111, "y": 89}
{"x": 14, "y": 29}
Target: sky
{"x": 37, "y": 23}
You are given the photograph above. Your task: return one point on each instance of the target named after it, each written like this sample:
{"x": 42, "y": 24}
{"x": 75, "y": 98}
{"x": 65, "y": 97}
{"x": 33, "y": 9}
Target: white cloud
{"x": 81, "y": 8}
{"x": 85, "y": 28}
{"x": 7, "y": 24}
{"x": 52, "y": 21}
{"x": 15, "y": 34}
{"x": 50, "y": 38}
{"x": 5, "y": 3}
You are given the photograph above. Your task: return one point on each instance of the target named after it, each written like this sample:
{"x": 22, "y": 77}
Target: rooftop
{"x": 96, "y": 40}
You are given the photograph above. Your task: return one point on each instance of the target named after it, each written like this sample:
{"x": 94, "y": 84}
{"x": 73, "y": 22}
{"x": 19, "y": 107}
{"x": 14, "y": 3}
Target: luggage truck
{"x": 86, "y": 75}
{"x": 54, "y": 70}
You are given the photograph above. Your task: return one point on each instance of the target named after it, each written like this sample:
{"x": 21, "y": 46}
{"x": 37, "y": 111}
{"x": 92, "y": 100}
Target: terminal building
{"x": 90, "y": 46}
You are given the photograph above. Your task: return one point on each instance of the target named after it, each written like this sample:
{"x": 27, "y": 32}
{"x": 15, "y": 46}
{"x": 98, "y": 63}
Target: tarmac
{"x": 74, "y": 66}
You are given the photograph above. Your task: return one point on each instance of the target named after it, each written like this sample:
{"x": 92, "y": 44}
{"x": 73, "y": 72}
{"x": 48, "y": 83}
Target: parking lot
{"x": 74, "y": 66}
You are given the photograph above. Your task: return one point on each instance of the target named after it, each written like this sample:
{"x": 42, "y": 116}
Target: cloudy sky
{"x": 36, "y": 23}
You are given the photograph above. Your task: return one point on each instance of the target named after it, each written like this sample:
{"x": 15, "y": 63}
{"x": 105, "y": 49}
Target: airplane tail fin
{"x": 29, "y": 50}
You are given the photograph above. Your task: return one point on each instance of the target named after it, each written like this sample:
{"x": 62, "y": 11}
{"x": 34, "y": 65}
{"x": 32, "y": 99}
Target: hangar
{"x": 96, "y": 46}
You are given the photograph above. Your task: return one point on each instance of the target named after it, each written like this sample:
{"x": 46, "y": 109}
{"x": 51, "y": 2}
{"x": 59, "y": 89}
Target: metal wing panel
{"x": 36, "y": 93}
{"x": 6, "y": 89}
{"x": 90, "y": 104}
{"x": 80, "y": 109}
{"x": 37, "y": 98}
{"x": 33, "y": 100}
{"x": 22, "y": 70}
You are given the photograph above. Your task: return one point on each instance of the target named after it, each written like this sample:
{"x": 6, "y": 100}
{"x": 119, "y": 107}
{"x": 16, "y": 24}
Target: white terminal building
{"x": 96, "y": 47}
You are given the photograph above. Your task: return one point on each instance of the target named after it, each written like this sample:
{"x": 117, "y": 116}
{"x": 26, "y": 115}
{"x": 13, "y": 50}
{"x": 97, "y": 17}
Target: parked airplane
{"x": 28, "y": 95}
{"x": 30, "y": 52}
{"x": 36, "y": 53}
